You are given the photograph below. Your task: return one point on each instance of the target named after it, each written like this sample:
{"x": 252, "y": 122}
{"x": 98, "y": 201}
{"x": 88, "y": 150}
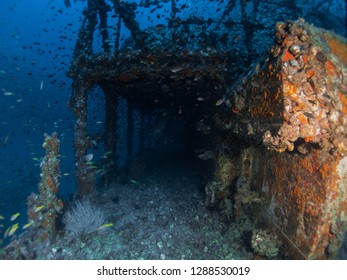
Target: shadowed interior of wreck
{"x": 169, "y": 82}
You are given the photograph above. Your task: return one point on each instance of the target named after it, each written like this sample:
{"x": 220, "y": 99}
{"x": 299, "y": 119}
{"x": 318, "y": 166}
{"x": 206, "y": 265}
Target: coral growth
{"x": 265, "y": 243}
{"x": 44, "y": 207}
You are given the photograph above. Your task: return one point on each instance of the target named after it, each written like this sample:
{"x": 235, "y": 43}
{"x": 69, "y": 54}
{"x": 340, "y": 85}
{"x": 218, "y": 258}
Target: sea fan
{"x": 84, "y": 217}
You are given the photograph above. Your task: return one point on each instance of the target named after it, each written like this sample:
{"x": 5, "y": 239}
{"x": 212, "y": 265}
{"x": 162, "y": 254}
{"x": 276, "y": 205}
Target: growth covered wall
{"x": 282, "y": 142}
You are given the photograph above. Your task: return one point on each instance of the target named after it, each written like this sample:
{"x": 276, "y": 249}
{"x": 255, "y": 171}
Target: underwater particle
{"x": 41, "y": 85}
{"x": 14, "y": 216}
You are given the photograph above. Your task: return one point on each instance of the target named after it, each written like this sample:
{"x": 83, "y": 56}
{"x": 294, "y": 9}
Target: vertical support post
{"x": 249, "y": 29}
{"x": 142, "y": 130}
{"x": 173, "y": 9}
{"x": 174, "y": 23}
{"x": 119, "y": 26}
{"x": 130, "y": 132}
{"x": 84, "y": 43}
{"x": 127, "y": 12}
{"x": 85, "y": 176}
{"x": 111, "y": 100}
{"x": 103, "y": 8}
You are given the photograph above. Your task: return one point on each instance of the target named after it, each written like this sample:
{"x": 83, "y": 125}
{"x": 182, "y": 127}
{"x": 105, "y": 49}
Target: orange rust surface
{"x": 266, "y": 102}
{"x": 309, "y": 73}
{"x": 343, "y": 99}
{"x": 302, "y": 118}
{"x": 287, "y": 56}
{"x": 290, "y": 89}
{"x": 328, "y": 174}
{"x": 330, "y": 68}
{"x": 337, "y": 47}
{"x": 324, "y": 171}
{"x": 302, "y": 194}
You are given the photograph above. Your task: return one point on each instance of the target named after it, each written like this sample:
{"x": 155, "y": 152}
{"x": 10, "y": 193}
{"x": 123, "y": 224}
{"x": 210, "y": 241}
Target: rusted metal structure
{"x": 148, "y": 76}
{"x": 289, "y": 114}
{"x": 279, "y": 133}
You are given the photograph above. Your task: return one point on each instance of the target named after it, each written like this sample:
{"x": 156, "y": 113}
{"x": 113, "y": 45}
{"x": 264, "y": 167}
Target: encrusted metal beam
{"x": 85, "y": 175}
{"x": 110, "y": 136}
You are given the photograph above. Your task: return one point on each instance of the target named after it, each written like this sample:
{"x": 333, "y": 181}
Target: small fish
{"x": 66, "y": 174}
{"x": 105, "y": 226}
{"x": 41, "y": 85}
{"x": 4, "y": 142}
{"x": 88, "y": 157}
{"x": 134, "y": 182}
{"x": 8, "y": 93}
{"x": 36, "y": 159}
{"x": 12, "y": 230}
{"x": 201, "y": 99}
{"x": 14, "y": 216}
{"x": 105, "y": 155}
{"x": 101, "y": 171}
{"x": 27, "y": 225}
{"x": 6, "y": 232}
{"x": 176, "y": 69}
{"x": 206, "y": 155}
{"x": 160, "y": 26}
{"x": 2, "y": 217}
{"x": 19, "y": 100}
{"x": 220, "y": 101}
{"x": 38, "y": 208}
